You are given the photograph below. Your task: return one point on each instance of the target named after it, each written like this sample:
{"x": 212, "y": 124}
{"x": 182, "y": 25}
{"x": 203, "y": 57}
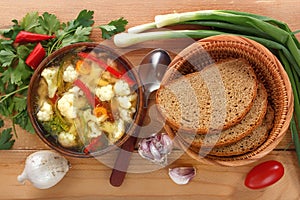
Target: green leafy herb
{"x": 7, "y": 57}
{"x": 81, "y": 34}
{"x": 113, "y": 27}
{"x": 1, "y": 123}
{"x": 49, "y": 24}
{"x": 30, "y": 21}
{"x": 6, "y": 141}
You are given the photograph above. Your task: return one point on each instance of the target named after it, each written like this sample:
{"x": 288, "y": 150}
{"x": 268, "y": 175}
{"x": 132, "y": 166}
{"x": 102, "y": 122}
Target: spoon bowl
{"x": 152, "y": 70}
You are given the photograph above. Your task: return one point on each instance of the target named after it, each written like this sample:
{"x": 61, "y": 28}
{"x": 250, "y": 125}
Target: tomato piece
{"x": 264, "y": 174}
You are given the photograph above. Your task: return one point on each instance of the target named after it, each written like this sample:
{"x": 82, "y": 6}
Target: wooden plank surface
{"x": 89, "y": 178}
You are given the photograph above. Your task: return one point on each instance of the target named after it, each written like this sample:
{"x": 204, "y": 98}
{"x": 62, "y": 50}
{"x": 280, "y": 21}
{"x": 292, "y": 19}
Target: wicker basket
{"x": 267, "y": 67}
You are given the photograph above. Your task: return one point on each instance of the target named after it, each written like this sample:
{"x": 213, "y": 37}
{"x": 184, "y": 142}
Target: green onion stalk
{"x": 273, "y": 34}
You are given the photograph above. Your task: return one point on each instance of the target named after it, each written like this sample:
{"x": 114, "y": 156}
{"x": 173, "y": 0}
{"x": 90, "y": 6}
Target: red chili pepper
{"x": 25, "y": 37}
{"x": 106, "y": 67}
{"x": 36, "y": 56}
{"x": 94, "y": 145}
{"x": 93, "y": 100}
{"x": 54, "y": 99}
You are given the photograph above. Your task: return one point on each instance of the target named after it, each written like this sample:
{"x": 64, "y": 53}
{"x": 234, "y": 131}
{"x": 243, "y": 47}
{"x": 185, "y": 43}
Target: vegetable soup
{"x": 86, "y": 100}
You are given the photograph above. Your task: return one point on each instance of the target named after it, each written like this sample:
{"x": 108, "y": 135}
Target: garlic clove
{"x": 154, "y": 151}
{"x": 156, "y": 148}
{"x": 44, "y": 169}
{"x": 167, "y": 144}
{"x": 182, "y": 175}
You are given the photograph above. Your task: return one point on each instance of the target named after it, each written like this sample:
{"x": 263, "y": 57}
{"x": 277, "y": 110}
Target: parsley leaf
{"x": 113, "y": 27}
{"x": 84, "y": 19}
{"x": 7, "y": 57}
{"x": 49, "y": 24}
{"x": 1, "y": 123}
{"x": 22, "y": 119}
{"x": 5, "y": 77}
{"x": 30, "y": 21}
{"x": 7, "y": 45}
{"x": 20, "y": 103}
{"x": 13, "y": 32}
{"x": 24, "y": 50}
{"x": 6, "y": 141}
{"x": 20, "y": 73}
{"x": 81, "y": 34}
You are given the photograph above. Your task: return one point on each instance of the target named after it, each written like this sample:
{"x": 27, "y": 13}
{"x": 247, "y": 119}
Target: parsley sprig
{"x": 15, "y": 74}
{"x": 6, "y": 141}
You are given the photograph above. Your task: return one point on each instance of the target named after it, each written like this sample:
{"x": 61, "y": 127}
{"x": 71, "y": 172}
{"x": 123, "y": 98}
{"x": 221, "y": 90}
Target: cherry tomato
{"x": 264, "y": 174}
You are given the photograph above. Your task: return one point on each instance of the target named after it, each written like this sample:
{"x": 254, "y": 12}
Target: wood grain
{"x": 89, "y": 178}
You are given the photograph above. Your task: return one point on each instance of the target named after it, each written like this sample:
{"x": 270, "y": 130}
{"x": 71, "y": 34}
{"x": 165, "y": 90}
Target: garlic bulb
{"x": 182, "y": 175}
{"x": 156, "y": 148}
{"x": 44, "y": 169}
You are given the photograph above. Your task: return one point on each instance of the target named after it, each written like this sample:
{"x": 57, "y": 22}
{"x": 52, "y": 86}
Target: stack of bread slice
{"x": 221, "y": 111}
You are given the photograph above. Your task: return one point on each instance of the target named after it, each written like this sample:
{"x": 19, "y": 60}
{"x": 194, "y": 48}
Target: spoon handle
{"x": 123, "y": 159}
{"x": 122, "y": 162}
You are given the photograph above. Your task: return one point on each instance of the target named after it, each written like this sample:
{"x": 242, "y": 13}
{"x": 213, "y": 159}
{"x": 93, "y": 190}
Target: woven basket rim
{"x": 248, "y": 46}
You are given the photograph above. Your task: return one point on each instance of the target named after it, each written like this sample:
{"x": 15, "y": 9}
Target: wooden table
{"x": 88, "y": 178}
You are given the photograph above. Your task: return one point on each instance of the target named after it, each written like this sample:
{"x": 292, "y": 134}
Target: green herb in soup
{"x": 85, "y": 100}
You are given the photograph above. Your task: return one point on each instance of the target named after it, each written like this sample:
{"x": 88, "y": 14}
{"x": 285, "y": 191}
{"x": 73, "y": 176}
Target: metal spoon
{"x": 151, "y": 71}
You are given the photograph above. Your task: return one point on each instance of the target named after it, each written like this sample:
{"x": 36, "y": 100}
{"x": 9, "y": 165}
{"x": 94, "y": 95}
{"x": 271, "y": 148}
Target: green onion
{"x": 128, "y": 39}
{"x": 273, "y": 34}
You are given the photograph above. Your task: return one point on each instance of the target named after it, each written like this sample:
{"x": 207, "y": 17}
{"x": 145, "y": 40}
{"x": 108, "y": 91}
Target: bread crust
{"x": 252, "y": 120}
{"x": 250, "y": 142}
{"x": 239, "y": 68}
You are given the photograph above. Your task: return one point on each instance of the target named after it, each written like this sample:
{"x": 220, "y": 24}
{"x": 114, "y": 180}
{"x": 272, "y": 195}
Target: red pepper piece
{"x": 93, "y": 100}
{"x": 36, "y": 56}
{"x": 94, "y": 144}
{"x": 54, "y": 99}
{"x": 26, "y": 37}
{"x": 106, "y": 67}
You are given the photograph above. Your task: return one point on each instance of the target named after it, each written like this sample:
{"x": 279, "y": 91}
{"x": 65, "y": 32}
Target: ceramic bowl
{"x": 33, "y": 89}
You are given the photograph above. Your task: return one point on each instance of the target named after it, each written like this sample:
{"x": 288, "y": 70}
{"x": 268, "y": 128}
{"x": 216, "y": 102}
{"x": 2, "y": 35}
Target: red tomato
{"x": 264, "y": 174}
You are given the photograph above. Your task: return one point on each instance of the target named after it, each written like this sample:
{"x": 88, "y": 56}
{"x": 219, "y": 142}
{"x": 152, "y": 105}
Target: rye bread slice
{"x": 217, "y": 97}
{"x": 252, "y": 120}
{"x": 250, "y": 142}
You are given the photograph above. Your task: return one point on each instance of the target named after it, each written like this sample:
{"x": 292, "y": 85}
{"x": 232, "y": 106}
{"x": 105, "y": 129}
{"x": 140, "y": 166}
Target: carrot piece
{"x": 83, "y": 67}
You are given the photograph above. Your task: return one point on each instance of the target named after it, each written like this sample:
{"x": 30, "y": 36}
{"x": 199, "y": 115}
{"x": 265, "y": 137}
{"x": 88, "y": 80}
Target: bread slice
{"x": 250, "y": 142}
{"x": 217, "y": 97}
{"x": 252, "y": 120}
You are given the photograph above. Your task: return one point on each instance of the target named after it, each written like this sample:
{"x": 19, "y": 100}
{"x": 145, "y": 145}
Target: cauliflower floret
{"x": 75, "y": 90}
{"x": 118, "y": 131}
{"x": 66, "y": 105}
{"x": 115, "y": 130}
{"x": 94, "y": 130}
{"x": 70, "y": 74}
{"x": 126, "y": 115}
{"x": 50, "y": 75}
{"x": 67, "y": 139}
{"x": 124, "y": 102}
{"x": 121, "y": 88}
{"x": 105, "y": 93}
{"x": 87, "y": 115}
{"x": 45, "y": 113}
